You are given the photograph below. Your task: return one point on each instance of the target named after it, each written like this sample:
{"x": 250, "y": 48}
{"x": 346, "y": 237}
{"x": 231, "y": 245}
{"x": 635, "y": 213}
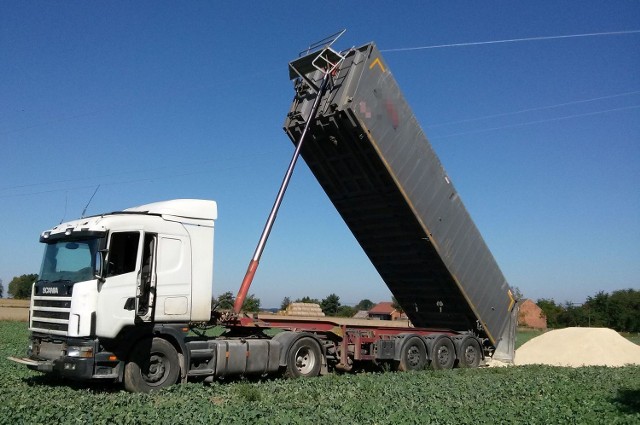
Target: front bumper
{"x": 68, "y": 367}
{"x": 52, "y": 358}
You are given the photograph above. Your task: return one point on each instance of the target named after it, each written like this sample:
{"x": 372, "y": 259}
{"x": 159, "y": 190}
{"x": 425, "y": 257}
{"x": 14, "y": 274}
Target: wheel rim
{"x": 159, "y": 368}
{"x": 305, "y": 360}
{"x": 443, "y": 355}
{"x": 470, "y": 354}
{"x": 413, "y": 356}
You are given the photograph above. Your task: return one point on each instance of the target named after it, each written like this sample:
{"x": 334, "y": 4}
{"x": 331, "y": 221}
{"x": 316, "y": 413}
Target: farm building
{"x": 531, "y": 316}
{"x": 386, "y": 311}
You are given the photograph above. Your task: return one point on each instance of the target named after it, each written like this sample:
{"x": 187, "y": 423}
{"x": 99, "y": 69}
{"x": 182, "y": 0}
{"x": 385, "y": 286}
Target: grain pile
{"x": 575, "y": 347}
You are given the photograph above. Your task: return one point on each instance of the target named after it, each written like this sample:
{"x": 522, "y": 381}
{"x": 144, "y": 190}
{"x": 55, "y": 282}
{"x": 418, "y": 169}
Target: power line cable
{"x": 164, "y": 176}
{"x": 522, "y": 124}
{"x": 540, "y": 108}
{"x": 190, "y": 165}
{"x": 512, "y": 40}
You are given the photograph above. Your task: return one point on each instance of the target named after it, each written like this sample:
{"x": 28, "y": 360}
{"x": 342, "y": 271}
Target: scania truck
{"x": 126, "y": 296}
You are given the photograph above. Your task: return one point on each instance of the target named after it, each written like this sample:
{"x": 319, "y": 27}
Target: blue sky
{"x": 162, "y": 100}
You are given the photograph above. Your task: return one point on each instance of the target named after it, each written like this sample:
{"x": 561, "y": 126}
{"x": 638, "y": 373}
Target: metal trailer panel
{"x": 373, "y": 160}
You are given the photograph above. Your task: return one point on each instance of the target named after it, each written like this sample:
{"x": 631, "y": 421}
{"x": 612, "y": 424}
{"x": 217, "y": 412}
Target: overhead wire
{"x": 101, "y": 181}
{"x": 518, "y": 40}
{"x": 540, "y": 108}
{"x": 511, "y": 40}
{"x": 535, "y": 122}
{"x": 405, "y": 49}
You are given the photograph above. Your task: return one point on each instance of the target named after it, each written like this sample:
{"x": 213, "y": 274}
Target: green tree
{"x": 225, "y": 301}
{"x": 597, "y": 309}
{"x": 517, "y": 293}
{"x": 20, "y": 286}
{"x": 330, "y": 305}
{"x": 573, "y": 315}
{"x": 395, "y": 304}
{"x": 1, "y": 288}
{"x": 285, "y": 303}
{"x": 551, "y": 310}
{"x": 346, "y": 311}
{"x": 624, "y": 310}
{"x": 251, "y": 304}
{"x": 365, "y": 304}
{"x": 307, "y": 300}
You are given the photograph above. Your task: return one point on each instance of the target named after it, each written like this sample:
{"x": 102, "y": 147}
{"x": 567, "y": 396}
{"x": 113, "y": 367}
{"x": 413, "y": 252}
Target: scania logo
{"x": 51, "y": 290}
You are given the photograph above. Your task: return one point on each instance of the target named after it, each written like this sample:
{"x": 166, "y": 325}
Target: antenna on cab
{"x": 90, "y": 199}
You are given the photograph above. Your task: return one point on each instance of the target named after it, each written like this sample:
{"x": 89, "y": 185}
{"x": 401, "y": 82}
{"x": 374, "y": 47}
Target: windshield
{"x": 71, "y": 261}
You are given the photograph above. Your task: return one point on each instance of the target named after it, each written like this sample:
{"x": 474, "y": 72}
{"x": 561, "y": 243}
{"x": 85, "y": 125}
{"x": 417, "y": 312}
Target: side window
{"x": 123, "y": 253}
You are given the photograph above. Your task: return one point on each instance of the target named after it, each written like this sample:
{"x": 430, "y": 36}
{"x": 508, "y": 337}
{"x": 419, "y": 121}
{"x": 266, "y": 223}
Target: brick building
{"x": 531, "y": 316}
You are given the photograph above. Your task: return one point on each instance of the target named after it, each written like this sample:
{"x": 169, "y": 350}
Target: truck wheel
{"x": 413, "y": 355}
{"x": 444, "y": 355}
{"x": 470, "y": 354}
{"x": 304, "y": 358}
{"x": 153, "y": 365}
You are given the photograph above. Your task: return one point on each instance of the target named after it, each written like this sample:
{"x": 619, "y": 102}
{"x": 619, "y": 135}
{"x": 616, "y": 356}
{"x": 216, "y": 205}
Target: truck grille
{"x": 50, "y": 314}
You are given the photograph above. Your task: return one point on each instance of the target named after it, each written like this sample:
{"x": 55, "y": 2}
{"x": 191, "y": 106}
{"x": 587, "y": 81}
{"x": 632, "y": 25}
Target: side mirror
{"x": 100, "y": 265}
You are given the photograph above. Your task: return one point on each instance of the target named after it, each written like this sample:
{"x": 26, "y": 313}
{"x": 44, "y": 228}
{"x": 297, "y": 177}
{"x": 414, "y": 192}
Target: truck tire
{"x": 304, "y": 358}
{"x": 470, "y": 354}
{"x": 443, "y": 354}
{"x": 153, "y": 364}
{"x": 413, "y": 355}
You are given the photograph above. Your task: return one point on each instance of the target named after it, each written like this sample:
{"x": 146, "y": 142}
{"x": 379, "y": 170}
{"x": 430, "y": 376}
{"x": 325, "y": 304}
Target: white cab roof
{"x": 187, "y": 208}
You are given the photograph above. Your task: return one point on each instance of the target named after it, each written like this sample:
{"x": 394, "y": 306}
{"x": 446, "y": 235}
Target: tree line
{"x": 619, "y": 310}
{"x": 330, "y": 305}
{"x": 20, "y": 286}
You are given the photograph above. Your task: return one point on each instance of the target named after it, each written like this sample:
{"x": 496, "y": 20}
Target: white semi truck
{"x": 124, "y": 296}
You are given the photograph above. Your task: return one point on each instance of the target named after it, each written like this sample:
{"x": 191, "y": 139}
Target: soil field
{"x": 11, "y": 309}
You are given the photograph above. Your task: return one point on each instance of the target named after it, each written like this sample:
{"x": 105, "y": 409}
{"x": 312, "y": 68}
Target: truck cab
{"x": 106, "y": 276}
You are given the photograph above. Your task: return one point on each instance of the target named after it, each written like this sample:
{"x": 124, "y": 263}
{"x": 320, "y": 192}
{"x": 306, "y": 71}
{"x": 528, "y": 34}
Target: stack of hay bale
{"x": 304, "y": 309}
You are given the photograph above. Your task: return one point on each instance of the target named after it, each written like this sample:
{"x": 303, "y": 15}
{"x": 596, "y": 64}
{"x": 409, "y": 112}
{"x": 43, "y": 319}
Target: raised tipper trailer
{"x": 126, "y": 296}
{"x": 376, "y": 165}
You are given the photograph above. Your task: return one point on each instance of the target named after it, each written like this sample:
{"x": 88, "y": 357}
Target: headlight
{"x": 84, "y": 352}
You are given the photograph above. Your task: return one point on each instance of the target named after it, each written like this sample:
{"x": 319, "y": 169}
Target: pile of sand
{"x": 575, "y": 347}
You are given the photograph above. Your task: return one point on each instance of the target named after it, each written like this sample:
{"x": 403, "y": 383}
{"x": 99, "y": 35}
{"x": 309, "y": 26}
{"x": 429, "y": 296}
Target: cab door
{"x": 115, "y": 308}
{"x": 147, "y": 279}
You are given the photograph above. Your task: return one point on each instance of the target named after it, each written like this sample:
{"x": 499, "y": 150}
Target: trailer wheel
{"x": 413, "y": 355}
{"x": 470, "y": 354}
{"x": 304, "y": 358}
{"x": 444, "y": 354}
{"x": 153, "y": 365}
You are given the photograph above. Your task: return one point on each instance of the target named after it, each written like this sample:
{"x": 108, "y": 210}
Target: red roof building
{"x": 386, "y": 311}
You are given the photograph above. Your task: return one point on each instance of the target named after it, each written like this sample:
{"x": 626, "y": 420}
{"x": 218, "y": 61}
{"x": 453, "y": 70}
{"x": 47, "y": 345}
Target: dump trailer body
{"x": 373, "y": 160}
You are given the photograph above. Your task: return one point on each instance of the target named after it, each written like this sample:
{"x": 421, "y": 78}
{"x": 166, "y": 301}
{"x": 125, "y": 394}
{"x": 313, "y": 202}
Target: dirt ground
{"x": 11, "y": 309}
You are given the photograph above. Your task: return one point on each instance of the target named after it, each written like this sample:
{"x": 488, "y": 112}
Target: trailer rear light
{"x": 113, "y": 358}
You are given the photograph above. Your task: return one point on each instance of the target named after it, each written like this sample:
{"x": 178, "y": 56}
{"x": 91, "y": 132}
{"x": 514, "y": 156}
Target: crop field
{"x": 11, "y": 309}
{"x": 531, "y": 395}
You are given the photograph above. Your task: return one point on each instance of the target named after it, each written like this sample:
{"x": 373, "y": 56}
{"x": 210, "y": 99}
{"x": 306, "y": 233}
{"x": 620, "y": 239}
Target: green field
{"x": 531, "y": 395}
{"x": 524, "y": 335}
